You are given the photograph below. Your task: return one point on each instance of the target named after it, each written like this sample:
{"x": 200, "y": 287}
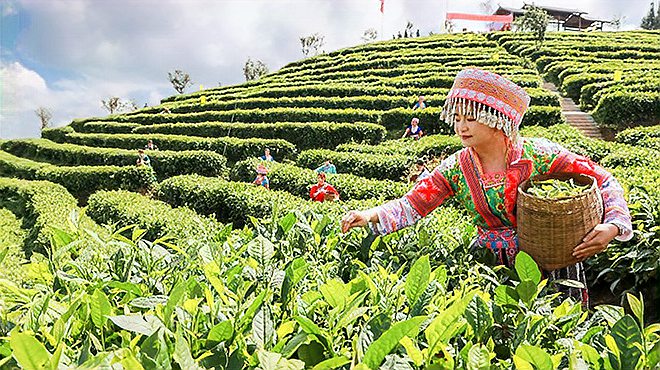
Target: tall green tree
{"x": 312, "y": 44}
{"x": 650, "y": 21}
{"x": 254, "y": 69}
{"x": 534, "y": 20}
{"x": 180, "y": 80}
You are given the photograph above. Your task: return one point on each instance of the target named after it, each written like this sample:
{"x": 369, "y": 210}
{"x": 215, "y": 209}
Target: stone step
{"x": 581, "y": 125}
{"x": 575, "y": 117}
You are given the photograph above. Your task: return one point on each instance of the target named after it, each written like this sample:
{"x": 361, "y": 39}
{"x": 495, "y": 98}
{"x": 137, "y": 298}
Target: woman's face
{"x": 473, "y": 133}
{"x": 321, "y": 180}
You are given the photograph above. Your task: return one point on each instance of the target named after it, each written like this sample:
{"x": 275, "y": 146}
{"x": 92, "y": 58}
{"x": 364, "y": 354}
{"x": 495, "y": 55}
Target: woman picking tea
{"x": 485, "y": 110}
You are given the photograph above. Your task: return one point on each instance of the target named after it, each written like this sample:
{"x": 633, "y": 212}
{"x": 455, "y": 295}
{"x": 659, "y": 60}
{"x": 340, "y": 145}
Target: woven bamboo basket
{"x": 330, "y": 197}
{"x": 549, "y": 229}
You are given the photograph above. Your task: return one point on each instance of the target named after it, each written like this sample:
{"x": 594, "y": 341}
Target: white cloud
{"x": 23, "y": 91}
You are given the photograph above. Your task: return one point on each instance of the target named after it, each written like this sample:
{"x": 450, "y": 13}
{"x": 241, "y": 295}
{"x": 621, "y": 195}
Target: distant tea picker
{"x": 485, "y": 110}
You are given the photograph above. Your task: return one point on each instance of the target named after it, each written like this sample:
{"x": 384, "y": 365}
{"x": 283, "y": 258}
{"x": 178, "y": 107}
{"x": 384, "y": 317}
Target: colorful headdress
{"x": 262, "y": 170}
{"x": 492, "y": 99}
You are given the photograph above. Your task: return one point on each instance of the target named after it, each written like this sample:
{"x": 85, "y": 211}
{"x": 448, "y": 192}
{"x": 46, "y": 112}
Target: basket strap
{"x": 516, "y": 173}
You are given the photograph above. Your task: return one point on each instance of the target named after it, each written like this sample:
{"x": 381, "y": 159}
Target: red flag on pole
{"x": 382, "y": 6}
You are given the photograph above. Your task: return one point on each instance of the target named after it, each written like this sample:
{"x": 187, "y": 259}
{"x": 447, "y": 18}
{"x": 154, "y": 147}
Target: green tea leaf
{"x": 637, "y": 307}
{"x": 535, "y": 356}
{"x": 479, "y": 316}
{"x": 332, "y": 363}
{"x": 261, "y": 249}
{"x": 287, "y": 222}
{"x": 412, "y": 350}
{"x": 293, "y": 344}
{"x": 612, "y": 314}
{"x": 654, "y": 356}
{"x": 335, "y": 292}
{"x": 136, "y": 323}
{"x": 182, "y": 353}
{"x": 3, "y": 253}
{"x": 220, "y": 333}
{"x": 627, "y": 336}
{"x": 100, "y": 308}
{"x": 176, "y": 295}
{"x": 149, "y": 302}
{"x": 309, "y": 327}
{"x": 263, "y": 328}
{"x": 311, "y": 353}
{"x": 377, "y": 351}
{"x": 154, "y": 352}
{"x": 526, "y": 291}
{"x": 478, "y": 358}
{"x": 506, "y": 296}
{"x": 29, "y": 352}
{"x": 417, "y": 279}
{"x": 521, "y": 364}
{"x": 294, "y": 272}
{"x": 251, "y": 310}
{"x": 527, "y": 268}
{"x": 446, "y": 324}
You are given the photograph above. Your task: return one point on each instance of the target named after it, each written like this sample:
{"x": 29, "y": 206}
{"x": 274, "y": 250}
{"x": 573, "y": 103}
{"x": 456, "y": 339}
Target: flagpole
{"x": 382, "y": 17}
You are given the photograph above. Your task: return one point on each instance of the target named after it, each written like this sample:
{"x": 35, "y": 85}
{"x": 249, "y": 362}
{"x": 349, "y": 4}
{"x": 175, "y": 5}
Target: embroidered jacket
{"x": 491, "y": 198}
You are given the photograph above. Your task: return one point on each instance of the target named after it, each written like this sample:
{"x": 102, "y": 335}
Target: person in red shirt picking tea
{"x": 323, "y": 191}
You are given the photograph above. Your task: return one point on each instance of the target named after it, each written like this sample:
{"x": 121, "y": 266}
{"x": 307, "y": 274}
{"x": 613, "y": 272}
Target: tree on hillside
{"x": 534, "y": 20}
{"x": 408, "y": 31}
{"x": 648, "y": 21}
{"x": 180, "y": 80}
{"x": 651, "y": 21}
{"x": 254, "y": 69}
{"x": 617, "y": 21}
{"x": 370, "y": 35}
{"x": 449, "y": 26}
{"x": 45, "y": 115}
{"x": 312, "y": 43}
{"x": 116, "y": 105}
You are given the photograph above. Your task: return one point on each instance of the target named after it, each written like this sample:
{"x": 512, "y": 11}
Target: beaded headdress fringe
{"x": 483, "y": 113}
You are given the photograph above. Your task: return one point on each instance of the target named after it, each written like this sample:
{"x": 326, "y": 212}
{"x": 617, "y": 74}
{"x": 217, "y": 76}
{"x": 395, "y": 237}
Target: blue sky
{"x": 68, "y": 55}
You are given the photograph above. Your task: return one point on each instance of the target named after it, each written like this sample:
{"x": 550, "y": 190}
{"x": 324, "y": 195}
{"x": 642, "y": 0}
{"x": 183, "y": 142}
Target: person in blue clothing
{"x": 267, "y": 156}
{"x": 143, "y": 159}
{"x": 262, "y": 179}
{"x": 327, "y": 167}
{"x": 413, "y": 131}
{"x": 420, "y": 104}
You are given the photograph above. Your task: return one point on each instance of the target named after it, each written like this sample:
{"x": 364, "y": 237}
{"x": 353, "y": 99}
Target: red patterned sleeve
{"x": 615, "y": 207}
{"x": 424, "y": 197}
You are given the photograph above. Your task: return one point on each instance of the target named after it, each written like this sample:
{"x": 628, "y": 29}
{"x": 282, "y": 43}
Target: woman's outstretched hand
{"x": 595, "y": 241}
{"x": 357, "y": 219}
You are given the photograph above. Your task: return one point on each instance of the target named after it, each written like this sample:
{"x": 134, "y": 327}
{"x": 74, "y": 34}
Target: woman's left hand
{"x": 595, "y": 241}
